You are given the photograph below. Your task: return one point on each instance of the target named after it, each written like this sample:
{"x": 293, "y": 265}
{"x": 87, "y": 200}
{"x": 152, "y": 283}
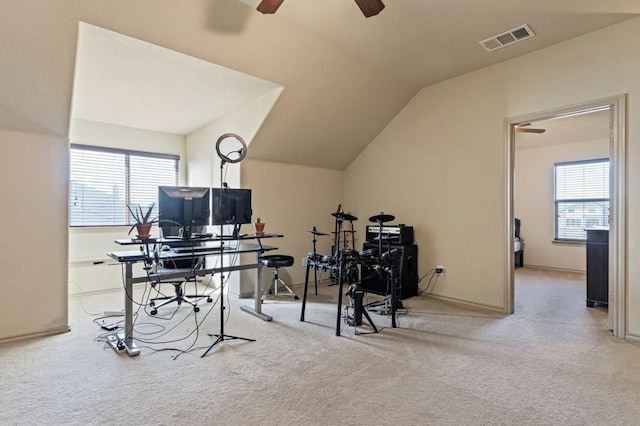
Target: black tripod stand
{"x": 221, "y": 337}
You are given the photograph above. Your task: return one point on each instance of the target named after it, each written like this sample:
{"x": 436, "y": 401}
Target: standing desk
{"x": 150, "y": 250}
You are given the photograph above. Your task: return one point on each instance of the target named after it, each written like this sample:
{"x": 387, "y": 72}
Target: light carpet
{"x": 551, "y": 363}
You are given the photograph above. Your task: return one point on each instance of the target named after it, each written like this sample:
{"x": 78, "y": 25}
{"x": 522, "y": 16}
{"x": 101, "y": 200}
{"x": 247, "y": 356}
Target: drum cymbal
{"x": 344, "y": 216}
{"x": 382, "y": 218}
{"x": 346, "y": 231}
{"x": 314, "y": 232}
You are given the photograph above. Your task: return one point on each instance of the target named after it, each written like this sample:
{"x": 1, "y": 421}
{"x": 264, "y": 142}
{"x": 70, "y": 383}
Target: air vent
{"x": 512, "y": 36}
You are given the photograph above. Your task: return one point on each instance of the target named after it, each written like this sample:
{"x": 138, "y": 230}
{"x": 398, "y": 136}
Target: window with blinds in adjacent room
{"x": 103, "y": 181}
{"x": 581, "y": 190}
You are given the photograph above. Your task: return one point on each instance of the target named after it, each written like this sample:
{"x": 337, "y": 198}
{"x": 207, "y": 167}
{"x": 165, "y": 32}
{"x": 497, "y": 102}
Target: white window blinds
{"x": 103, "y": 181}
{"x": 581, "y": 197}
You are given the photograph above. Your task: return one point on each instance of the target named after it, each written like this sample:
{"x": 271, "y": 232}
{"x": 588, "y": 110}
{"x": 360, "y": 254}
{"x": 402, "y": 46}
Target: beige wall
{"x": 439, "y": 166}
{"x": 441, "y": 163}
{"x": 534, "y": 206}
{"x": 203, "y": 164}
{"x": 34, "y": 190}
{"x": 291, "y": 200}
{"x": 204, "y": 169}
{"x": 36, "y": 83}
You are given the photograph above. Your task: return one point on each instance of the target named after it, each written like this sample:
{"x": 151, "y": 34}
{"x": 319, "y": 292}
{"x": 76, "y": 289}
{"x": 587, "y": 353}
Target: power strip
{"x": 115, "y": 342}
{"x": 113, "y": 313}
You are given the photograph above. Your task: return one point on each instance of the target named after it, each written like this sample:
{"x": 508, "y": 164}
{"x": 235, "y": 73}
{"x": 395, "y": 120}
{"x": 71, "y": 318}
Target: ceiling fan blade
{"x": 529, "y": 130}
{"x": 370, "y": 7}
{"x": 269, "y": 6}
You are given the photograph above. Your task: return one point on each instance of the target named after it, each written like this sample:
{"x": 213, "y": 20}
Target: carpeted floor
{"x": 551, "y": 363}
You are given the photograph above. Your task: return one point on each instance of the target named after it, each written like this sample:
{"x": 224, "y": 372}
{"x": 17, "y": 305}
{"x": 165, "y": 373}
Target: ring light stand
{"x": 241, "y": 153}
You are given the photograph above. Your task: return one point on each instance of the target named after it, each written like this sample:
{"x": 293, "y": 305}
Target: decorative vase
{"x": 144, "y": 230}
{"x": 259, "y": 228}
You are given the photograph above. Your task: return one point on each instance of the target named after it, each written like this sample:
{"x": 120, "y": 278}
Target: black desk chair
{"x": 179, "y": 285}
{"x": 276, "y": 261}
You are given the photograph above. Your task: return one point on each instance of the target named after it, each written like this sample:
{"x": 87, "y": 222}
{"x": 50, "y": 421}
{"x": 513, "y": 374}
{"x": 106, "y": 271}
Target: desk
{"x": 147, "y": 252}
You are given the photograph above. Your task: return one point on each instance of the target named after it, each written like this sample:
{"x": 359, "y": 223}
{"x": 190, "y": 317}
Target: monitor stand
{"x": 236, "y": 231}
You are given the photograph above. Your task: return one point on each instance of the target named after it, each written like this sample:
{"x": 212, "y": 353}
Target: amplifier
{"x": 372, "y": 282}
{"x": 397, "y": 234}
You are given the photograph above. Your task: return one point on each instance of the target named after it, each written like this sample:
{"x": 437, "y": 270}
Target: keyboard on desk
{"x": 200, "y": 249}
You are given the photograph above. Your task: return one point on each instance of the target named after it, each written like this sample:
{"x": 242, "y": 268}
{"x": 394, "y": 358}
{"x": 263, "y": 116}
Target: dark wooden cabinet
{"x": 597, "y": 267}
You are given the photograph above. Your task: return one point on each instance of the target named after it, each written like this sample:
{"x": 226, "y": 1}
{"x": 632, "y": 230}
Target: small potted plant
{"x": 259, "y": 226}
{"x": 142, "y": 220}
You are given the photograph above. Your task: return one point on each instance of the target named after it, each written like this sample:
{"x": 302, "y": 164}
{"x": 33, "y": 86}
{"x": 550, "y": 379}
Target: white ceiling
{"x": 128, "y": 82}
{"x": 426, "y": 41}
{"x": 345, "y": 76}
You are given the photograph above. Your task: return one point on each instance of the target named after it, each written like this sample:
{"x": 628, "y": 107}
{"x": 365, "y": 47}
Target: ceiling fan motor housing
{"x": 368, "y": 7}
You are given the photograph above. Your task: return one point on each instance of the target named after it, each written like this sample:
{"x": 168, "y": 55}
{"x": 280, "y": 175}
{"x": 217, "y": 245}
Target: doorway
{"x": 614, "y": 108}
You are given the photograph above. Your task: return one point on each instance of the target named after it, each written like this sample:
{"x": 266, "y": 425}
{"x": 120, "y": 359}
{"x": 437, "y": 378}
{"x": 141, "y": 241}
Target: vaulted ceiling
{"x": 344, "y": 76}
{"x": 422, "y": 42}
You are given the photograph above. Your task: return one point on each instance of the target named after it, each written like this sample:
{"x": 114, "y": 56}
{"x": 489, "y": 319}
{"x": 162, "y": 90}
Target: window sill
{"x": 568, "y": 243}
{"x": 105, "y": 229}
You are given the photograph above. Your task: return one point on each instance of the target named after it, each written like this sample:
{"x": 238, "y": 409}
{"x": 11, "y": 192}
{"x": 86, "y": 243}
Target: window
{"x": 104, "y": 180}
{"x": 581, "y": 197}
{"x": 573, "y": 223}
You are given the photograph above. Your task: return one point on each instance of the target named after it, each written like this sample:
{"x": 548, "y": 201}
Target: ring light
{"x": 242, "y": 152}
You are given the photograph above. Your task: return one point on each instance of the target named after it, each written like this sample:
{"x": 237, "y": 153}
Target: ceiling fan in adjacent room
{"x": 523, "y": 128}
{"x": 368, "y": 7}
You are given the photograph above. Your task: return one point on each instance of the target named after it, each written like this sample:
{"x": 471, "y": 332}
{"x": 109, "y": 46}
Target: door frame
{"x": 617, "y": 204}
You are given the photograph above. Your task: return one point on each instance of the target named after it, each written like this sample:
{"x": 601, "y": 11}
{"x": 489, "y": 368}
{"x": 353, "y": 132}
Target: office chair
{"x": 276, "y": 261}
{"x": 178, "y": 285}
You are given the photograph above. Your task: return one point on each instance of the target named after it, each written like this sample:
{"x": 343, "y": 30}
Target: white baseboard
{"x": 474, "y": 305}
{"x": 550, "y": 268}
{"x": 632, "y": 337}
{"x": 50, "y": 332}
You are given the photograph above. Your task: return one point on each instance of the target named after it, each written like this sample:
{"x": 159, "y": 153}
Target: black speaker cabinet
{"x": 371, "y": 281}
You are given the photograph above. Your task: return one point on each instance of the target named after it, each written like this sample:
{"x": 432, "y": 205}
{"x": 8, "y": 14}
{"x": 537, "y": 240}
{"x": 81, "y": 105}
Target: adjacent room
{"x": 391, "y": 150}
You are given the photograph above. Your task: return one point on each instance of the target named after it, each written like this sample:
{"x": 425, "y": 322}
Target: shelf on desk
{"x": 213, "y": 238}
{"x": 133, "y": 256}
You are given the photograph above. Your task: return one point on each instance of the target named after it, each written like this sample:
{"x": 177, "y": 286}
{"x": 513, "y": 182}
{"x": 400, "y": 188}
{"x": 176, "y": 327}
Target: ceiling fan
{"x": 523, "y": 128}
{"x": 368, "y": 7}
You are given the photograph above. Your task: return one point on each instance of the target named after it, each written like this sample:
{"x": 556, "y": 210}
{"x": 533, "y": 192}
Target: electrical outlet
{"x": 439, "y": 270}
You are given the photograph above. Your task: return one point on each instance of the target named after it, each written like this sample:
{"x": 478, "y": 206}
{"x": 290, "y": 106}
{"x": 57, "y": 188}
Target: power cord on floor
{"x": 155, "y": 338}
{"x": 79, "y": 295}
{"x": 428, "y": 289}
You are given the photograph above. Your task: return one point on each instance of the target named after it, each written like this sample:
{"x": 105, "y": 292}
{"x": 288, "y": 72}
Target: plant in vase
{"x": 142, "y": 220}
{"x": 259, "y": 226}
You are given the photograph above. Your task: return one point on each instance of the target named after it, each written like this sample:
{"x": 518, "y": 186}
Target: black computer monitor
{"x": 231, "y": 206}
{"x": 183, "y": 207}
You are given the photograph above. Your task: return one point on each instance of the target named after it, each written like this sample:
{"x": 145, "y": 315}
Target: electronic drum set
{"x": 343, "y": 265}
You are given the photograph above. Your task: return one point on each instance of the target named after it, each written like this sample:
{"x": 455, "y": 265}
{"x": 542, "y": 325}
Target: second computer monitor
{"x": 231, "y": 206}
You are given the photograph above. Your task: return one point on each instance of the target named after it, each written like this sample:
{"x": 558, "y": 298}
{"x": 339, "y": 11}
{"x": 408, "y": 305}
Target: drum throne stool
{"x": 277, "y": 261}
